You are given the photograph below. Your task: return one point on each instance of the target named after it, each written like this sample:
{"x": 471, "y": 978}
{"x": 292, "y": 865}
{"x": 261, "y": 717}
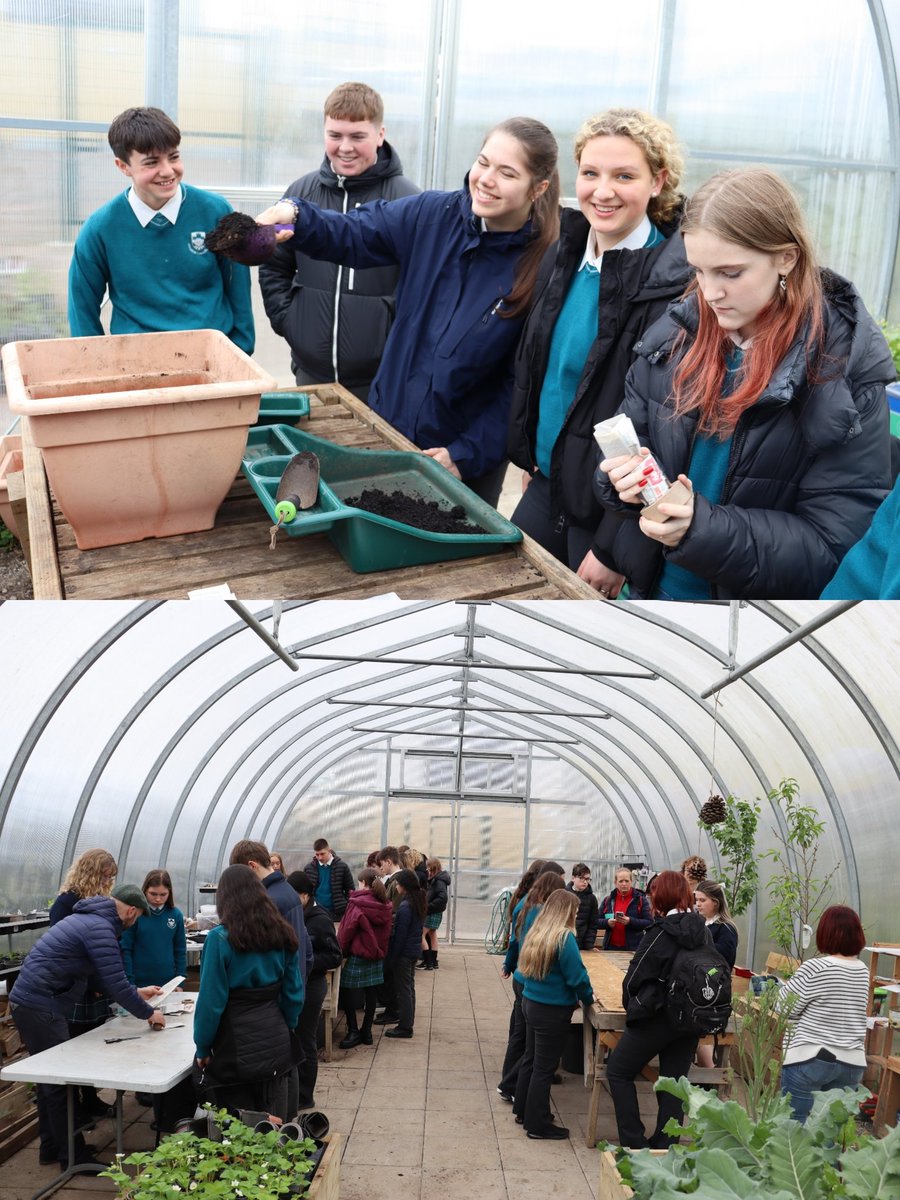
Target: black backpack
{"x": 698, "y": 998}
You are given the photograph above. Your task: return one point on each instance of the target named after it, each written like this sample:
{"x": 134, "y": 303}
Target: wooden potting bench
{"x": 236, "y": 551}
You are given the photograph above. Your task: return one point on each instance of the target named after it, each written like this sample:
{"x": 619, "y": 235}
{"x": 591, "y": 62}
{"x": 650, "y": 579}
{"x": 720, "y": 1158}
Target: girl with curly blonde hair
{"x": 611, "y": 274}
{"x": 93, "y": 873}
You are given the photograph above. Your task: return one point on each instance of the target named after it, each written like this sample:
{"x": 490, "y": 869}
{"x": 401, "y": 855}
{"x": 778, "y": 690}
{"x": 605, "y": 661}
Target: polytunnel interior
{"x": 484, "y": 733}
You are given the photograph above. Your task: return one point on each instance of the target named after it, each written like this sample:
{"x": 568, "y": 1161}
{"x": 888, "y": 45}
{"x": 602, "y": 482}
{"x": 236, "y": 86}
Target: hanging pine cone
{"x": 713, "y": 811}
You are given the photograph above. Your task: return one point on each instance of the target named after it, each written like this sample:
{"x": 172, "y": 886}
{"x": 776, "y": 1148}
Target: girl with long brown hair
{"x": 763, "y": 391}
{"x": 468, "y": 264}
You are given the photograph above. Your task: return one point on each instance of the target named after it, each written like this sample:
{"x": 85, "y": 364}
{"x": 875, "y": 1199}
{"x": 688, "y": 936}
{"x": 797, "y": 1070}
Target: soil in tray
{"x": 414, "y": 510}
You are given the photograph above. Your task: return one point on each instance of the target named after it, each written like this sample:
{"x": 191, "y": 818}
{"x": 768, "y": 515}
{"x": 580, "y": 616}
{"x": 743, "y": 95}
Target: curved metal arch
{"x": 212, "y": 699}
{"x": 53, "y": 703}
{"x": 892, "y": 96}
{"x": 319, "y": 768}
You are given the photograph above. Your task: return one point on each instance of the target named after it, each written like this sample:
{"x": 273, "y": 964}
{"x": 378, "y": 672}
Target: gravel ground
{"x": 15, "y": 582}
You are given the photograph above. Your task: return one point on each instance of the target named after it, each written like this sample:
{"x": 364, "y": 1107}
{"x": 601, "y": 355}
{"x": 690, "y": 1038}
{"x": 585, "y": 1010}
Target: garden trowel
{"x": 297, "y": 490}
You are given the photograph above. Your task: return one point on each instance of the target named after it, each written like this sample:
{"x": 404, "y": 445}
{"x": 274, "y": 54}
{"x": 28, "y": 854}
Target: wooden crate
{"x": 10, "y": 1042}
{"x": 15, "y": 1101}
{"x": 14, "y": 1135}
{"x": 326, "y": 1184}
{"x": 611, "y": 1186}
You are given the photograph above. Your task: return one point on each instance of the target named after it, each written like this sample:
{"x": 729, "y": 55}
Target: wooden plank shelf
{"x": 236, "y": 551}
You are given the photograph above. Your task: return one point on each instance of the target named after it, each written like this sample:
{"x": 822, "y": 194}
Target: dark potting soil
{"x": 414, "y": 510}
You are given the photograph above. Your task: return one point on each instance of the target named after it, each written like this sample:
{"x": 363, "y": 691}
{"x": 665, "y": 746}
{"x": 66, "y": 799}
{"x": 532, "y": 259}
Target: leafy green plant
{"x": 729, "y": 1155}
{"x": 244, "y": 1164}
{"x": 797, "y": 893}
{"x": 760, "y": 1024}
{"x": 736, "y": 840}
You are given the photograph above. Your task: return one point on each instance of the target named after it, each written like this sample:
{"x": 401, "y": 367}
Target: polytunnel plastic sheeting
{"x": 166, "y": 732}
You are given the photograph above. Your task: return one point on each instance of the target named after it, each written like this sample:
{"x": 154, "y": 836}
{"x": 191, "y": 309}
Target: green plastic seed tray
{"x": 365, "y": 541}
{"x": 282, "y": 408}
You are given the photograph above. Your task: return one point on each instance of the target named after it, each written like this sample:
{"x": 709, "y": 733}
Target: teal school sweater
{"x": 323, "y": 895}
{"x": 223, "y": 968}
{"x": 160, "y": 277}
{"x": 154, "y": 948}
{"x": 566, "y": 982}
{"x": 870, "y": 570}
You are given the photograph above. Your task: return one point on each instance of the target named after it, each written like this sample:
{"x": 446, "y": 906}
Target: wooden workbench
{"x": 236, "y": 551}
{"x": 604, "y": 1026}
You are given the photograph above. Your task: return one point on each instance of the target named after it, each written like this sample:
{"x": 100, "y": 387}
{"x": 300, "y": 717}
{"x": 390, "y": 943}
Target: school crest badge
{"x": 198, "y": 242}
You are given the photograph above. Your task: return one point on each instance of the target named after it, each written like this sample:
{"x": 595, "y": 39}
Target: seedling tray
{"x": 282, "y": 408}
{"x": 368, "y": 542}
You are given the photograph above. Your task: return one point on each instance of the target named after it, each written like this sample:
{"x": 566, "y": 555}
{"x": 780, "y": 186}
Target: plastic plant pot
{"x": 141, "y": 434}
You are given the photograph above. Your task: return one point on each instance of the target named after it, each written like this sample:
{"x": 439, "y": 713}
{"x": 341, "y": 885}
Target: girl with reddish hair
{"x": 827, "y": 996}
{"x": 648, "y": 1031}
{"x": 763, "y": 391}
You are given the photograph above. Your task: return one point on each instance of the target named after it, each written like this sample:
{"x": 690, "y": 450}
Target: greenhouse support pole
{"x": 161, "y": 55}
{"x": 261, "y": 631}
{"x": 835, "y": 610}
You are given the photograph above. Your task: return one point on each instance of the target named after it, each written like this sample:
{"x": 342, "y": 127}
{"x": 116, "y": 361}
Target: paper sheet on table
{"x": 166, "y": 989}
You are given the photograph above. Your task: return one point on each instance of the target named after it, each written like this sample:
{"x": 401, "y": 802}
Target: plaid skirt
{"x": 362, "y": 972}
{"x": 433, "y": 921}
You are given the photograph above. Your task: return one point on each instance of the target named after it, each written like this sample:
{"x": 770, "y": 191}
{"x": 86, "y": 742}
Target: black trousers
{"x": 305, "y": 1039}
{"x": 405, "y": 975}
{"x": 387, "y": 994}
{"x": 552, "y": 530}
{"x": 640, "y": 1043}
{"x": 40, "y": 1029}
{"x": 515, "y": 1046}
{"x": 546, "y": 1026}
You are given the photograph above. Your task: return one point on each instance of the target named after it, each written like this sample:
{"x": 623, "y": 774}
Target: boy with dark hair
{"x": 255, "y": 855}
{"x": 147, "y": 246}
{"x": 336, "y": 320}
{"x": 586, "y": 917}
{"x": 331, "y": 878}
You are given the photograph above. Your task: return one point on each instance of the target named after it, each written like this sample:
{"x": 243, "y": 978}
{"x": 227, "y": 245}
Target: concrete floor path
{"x": 419, "y": 1118}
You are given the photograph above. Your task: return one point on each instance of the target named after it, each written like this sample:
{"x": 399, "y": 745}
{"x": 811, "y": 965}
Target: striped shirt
{"x": 829, "y": 1012}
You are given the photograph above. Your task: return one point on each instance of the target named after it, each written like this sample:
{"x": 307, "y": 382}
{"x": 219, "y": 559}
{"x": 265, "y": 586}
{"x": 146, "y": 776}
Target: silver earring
{"x": 782, "y": 283}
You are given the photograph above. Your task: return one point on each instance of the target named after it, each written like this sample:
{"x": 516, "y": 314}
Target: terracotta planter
{"x": 141, "y": 434}
{"x": 10, "y": 461}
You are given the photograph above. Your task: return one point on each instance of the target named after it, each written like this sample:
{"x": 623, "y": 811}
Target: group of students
{"x": 388, "y": 931}
{"x": 550, "y": 925}
{"x": 505, "y": 327}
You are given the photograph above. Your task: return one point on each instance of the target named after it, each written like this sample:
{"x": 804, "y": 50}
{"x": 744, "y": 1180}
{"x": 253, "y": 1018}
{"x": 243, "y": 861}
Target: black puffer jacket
{"x": 326, "y": 950}
{"x": 635, "y": 287}
{"x": 252, "y": 1041}
{"x": 586, "y": 917}
{"x": 646, "y": 981}
{"x": 438, "y": 893}
{"x": 335, "y": 319}
{"x": 810, "y": 462}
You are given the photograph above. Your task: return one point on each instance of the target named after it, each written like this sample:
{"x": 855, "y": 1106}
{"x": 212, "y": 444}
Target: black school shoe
{"x": 386, "y": 1018}
{"x": 554, "y": 1133}
{"x": 398, "y": 1032}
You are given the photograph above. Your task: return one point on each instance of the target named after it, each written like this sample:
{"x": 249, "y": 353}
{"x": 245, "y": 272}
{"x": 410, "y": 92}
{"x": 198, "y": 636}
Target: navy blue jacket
{"x": 406, "y": 940}
{"x": 85, "y": 946}
{"x": 289, "y": 905}
{"x": 446, "y": 373}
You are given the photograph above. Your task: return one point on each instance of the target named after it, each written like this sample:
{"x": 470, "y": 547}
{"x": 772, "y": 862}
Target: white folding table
{"x": 148, "y": 1061}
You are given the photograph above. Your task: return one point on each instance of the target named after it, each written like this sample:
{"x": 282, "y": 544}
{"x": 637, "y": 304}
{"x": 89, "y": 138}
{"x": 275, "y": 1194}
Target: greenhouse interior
{"x": 451, "y": 739}
{"x": 487, "y": 735}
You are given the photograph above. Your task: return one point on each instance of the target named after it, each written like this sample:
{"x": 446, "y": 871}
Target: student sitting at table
{"x": 54, "y": 977}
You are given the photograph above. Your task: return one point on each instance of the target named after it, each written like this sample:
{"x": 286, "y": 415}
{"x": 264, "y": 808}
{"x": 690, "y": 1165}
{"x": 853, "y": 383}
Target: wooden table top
{"x": 236, "y": 551}
{"x": 607, "y": 970}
